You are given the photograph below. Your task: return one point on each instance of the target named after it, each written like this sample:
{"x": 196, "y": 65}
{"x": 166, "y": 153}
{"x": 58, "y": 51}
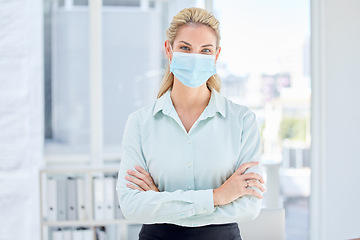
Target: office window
{"x": 127, "y": 3}
{"x": 132, "y": 69}
{"x": 265, "y": 65}
{"x": 81, "y": 2}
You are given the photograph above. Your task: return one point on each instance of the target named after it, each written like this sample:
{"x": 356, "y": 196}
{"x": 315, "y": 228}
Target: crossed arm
{"x": 237, "y": 199}
{"x": 238, "y": 185}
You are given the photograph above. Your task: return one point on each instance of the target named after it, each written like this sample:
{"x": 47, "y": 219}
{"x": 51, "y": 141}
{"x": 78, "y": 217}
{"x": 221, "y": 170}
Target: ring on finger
{"x": 247, "y": 183}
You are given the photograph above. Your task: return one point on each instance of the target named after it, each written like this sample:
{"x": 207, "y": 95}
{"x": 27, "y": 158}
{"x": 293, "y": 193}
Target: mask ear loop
{"x": 171, "y": 48}
{"x": 169, "y": 59}
{"x": 172, "y": 53}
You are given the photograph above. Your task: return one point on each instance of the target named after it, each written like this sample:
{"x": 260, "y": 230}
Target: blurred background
{"x": 264, "y": 64}
{"x": 72, "y": 71}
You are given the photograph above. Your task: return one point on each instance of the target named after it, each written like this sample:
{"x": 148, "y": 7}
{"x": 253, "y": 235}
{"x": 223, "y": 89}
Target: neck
{"x": 186, "y": 98}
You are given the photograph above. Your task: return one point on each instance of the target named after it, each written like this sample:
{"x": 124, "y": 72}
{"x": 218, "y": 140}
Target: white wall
{"x": 21, "y": 117}
{"x": 335, "y": 204}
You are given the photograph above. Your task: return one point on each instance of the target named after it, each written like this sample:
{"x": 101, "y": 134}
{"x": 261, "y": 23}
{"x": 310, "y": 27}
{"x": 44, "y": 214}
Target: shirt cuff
{"x": 204, "y": 202}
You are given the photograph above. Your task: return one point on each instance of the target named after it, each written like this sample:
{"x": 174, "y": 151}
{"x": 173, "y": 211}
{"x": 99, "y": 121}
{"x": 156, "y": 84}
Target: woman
{"x": 190, "y": 162}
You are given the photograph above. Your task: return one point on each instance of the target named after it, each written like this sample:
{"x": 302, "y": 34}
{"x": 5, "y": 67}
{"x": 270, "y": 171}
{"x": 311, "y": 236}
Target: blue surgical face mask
{"x": 192, "y": 69}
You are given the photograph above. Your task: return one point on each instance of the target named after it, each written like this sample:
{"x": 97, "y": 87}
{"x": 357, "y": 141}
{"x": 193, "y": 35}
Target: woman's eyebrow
{"x": 207, "y": 45}
{"x": 186, "y": 43}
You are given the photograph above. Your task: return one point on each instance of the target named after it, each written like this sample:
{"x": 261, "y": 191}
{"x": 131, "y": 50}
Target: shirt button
{"x": 189, "y": 187}
{"x": 189, "y": 141}
{"x": 189, "y": 164}
{"x": 205, "y": 211}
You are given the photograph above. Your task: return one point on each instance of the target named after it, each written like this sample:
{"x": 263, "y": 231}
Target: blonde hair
{"x": 185, "y": 16}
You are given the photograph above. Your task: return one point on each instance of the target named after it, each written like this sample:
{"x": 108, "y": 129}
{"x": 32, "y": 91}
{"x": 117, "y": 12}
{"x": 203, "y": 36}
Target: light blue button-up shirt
{"x": 186, "y": 167}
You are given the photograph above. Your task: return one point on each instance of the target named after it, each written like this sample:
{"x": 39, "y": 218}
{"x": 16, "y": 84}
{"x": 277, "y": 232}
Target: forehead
{"x": 196, "y": 34}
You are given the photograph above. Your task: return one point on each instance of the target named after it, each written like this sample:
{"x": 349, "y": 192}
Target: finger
{"x": 252, "y": 175}
{"x": 153, "y": 187}
{"x": 147, "y": 175}
{"x": 149, "y": 180}
{"x": 253, "y": 192}
{"x": 144, "y": 186}
{"x": 255, "y": 183}
{"x": 243, "y": 167}
{"x": 138, "y": 182}
{"x": 141, "y": 170}
{"x": 139, "y": 176}
{"x": 132, "y": 186}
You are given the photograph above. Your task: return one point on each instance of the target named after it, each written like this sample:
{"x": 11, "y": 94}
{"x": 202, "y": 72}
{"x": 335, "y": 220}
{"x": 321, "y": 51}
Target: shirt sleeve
{"x": 151, "y": 206}
{"x": 248, "y": 207}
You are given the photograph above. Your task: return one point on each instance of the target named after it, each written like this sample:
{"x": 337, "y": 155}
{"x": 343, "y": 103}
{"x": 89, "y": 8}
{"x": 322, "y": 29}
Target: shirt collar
{"x": 216, "y": 104}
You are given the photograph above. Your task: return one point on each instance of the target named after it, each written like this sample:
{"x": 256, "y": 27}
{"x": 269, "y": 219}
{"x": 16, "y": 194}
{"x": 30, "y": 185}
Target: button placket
{"x": 190, "y": 181}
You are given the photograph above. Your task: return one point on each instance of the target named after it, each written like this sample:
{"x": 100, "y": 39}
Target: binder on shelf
{"x": 71, "y": 199}
{"x": 100, "y": 233}
{"x": 61, "y": 199}
{"x": 51, "y": 204}
{"x": 118, "y": 213}
{"x": 77, "y": 234}
{"x": 67, "y": 198}
{"x": 66, "y": 234}
{"x": 81, "y": 206}
{"x": 57, "y": 234}
{"x": 99, "y": 197}
{"x": 109, "y": 210}
{"x": 87, "y": 234}
{"x": 112, "y": 232}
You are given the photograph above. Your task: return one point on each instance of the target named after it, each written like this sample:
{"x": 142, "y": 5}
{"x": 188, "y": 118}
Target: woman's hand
{"x": 239, "y": 185}
{"x": 142, "y": 180}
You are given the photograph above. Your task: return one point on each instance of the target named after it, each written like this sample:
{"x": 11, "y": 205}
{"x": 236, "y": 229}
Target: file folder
{"x": 99, "y": 197}
{"x": 51, "y": 204}
{"x": 81, "y": 206}
{"x": 118, "y": 213}
{"x": 109, "y": 198}
{"x": 71, "y": 199}
{"x": 100, "y": 233}
{"x": 87, "y": 234}
{"x": 112, "y": 232}
{"x": 61, "y": 199}
{"x": 66, "y": 234}
{"x": 57, "y": 234}
{"x": 77, "y": 234}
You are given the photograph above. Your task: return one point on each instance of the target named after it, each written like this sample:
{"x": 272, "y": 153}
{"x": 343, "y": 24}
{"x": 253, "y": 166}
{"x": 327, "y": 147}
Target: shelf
{"x": 88, "y": 223}
{"x": 89, "y": 173}
{"x": 80, "y": 169}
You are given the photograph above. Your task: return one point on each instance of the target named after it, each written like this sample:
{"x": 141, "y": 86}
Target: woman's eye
{"x": 206, "y": 50}
{"x": 184, "y": 48}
